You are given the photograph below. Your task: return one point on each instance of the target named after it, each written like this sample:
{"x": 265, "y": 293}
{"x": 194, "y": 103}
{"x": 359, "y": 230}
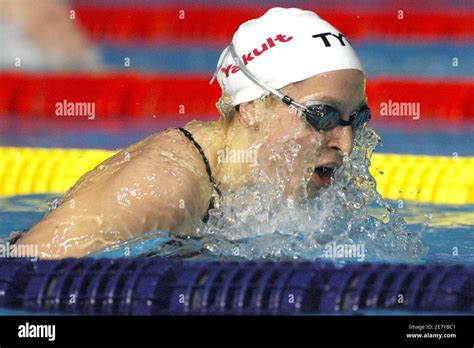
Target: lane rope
{"x": 431, "y": 179}
{"x": 138, "y": 95}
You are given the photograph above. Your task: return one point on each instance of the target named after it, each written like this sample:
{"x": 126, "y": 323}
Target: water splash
{"x": 262, "y": 222}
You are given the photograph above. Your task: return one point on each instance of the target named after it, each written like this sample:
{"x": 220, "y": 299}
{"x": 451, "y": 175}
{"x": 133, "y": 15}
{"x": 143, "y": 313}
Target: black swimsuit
{"x": 208, "y": 170}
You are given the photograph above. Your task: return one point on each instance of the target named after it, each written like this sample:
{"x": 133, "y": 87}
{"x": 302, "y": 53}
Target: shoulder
{"x": 170, "y": 138}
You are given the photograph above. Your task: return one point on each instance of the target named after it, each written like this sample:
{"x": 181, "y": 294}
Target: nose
{"x": 340, "y": 139}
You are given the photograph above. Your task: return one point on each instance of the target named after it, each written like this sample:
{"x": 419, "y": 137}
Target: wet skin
{"x": 161, "y": 181}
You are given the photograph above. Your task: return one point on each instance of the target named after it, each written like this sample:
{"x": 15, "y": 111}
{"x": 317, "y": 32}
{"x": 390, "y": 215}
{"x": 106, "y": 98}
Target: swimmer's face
{"x": 290, "y": 149}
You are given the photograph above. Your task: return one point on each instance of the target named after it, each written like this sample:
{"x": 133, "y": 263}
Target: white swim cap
{"x": 281, "y": 47}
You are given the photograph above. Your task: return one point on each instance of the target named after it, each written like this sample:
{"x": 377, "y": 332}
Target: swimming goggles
{"x": 319, "y": 115}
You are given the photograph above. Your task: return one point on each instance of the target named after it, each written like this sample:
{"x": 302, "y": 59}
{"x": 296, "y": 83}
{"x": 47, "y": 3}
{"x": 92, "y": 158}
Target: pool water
{"x": 447, "y": 231}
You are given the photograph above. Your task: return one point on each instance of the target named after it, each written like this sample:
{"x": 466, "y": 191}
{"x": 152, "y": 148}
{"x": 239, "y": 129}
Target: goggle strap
{"x": 252, "y": 78}
{"x": 287, "y": 100}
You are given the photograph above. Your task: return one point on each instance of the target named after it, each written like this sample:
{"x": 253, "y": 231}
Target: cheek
{"x": 281, "y": 123}
{"x": 296, "y": 150}
{"x": 287, "y": 136}
{"x": 310, "y": 149}
{"x": 284, "y": 126}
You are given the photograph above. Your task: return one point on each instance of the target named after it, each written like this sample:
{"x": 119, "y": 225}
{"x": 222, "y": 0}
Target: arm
{"x": 154, "y": 184}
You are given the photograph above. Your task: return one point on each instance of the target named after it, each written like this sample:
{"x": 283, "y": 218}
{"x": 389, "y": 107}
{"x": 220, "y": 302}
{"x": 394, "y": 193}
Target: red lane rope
{"x": 216, "y": 24}
{"x": 118, "y": 95}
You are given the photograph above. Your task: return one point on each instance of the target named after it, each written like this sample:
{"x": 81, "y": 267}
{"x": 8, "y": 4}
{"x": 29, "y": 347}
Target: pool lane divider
{"x": 204, "y": 24}
{"x": 379, "y": 58}
{"x": 155, "y": 286}
{"x": 431, "y": 179}
{"x": 407, "y": 100}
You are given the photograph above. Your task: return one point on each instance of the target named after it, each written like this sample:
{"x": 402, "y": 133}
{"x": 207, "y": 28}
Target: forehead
{"x": 342, "y": 87}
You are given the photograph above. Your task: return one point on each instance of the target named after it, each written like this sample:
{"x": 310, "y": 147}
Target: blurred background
{"x": 146, "y": 65}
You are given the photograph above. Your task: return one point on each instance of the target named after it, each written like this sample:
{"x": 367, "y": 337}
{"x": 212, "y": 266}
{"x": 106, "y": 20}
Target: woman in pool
{"x": 289, "y": 78}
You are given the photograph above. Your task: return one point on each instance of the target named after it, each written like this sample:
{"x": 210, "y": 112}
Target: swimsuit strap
{"x": 208, "y": 170}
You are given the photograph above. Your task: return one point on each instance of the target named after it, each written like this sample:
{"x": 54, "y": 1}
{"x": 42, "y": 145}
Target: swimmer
{"x": 288, "y": 78}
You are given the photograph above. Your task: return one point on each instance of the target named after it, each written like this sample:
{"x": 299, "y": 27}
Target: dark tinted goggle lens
{"x": 361, "y": 117}
{"x": 325, "y": 117}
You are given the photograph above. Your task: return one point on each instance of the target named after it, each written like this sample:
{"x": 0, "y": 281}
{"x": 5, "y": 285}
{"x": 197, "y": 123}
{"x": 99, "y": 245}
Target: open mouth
{"x": 323, "y": 174}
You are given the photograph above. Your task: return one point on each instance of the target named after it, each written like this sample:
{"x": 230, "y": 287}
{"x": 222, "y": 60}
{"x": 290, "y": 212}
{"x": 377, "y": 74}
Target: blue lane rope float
{"x": 140, "y": 286}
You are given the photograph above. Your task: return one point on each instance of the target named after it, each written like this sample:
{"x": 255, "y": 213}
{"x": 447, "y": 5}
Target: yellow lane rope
{"x": 407, "y": 177}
